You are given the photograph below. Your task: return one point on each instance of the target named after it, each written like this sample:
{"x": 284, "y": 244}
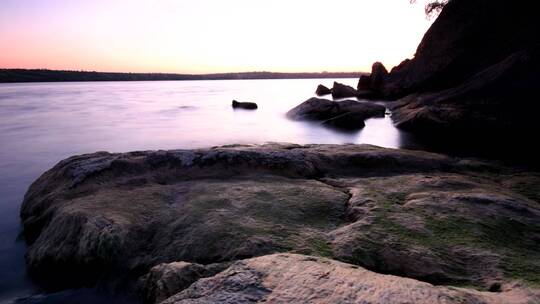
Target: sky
{"x": 209, "y": 36}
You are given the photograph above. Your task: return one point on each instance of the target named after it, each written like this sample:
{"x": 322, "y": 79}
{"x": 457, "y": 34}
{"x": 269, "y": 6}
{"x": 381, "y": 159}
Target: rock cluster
{"x": 346, "y": 114}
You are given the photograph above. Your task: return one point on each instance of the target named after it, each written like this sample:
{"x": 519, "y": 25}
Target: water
{"x": 42, "y": 123}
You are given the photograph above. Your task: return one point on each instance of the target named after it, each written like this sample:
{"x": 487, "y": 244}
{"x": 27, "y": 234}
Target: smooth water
{"x": 42, "y": 123}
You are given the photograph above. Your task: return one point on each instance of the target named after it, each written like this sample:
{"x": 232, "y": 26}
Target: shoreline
{"x": 44, "y": 75}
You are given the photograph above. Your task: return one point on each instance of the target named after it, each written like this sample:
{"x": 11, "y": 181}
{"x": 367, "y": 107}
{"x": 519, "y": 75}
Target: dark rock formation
{"x": 474, "y": 76}
{"x": 371, "y": 86}
{"x": 346, "y": 114}
{"x": 244, "y": 105}
{"x": 343, "y": 91}
{"x": 292, "y": 278}
{"x": 495, "y": 100}
{"x": 468, "y": 37}
{"x": 410, "y": 213}
{"x": 322, "y": 90}
{"x": 378, "y": 77}
{"x": 364, "y": 83}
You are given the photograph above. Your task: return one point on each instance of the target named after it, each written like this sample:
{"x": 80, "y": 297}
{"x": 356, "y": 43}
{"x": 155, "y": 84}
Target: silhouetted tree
{"x": 433, "y": 9}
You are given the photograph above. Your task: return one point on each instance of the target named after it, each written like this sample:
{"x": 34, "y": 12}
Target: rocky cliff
{"x": 475, "y": 71}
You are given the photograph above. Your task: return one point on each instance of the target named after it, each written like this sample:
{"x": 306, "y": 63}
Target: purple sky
{"x": 202, "y": 36}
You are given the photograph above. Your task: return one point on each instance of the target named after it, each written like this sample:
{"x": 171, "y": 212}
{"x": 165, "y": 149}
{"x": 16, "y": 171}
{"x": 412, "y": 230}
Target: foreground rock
{"x": 346, "y": 114}
{"x": 244, "y": 105}
{"x": 291, "y": 278}
{"x": 414, "y": 214}
{"x": 322, "y": 90}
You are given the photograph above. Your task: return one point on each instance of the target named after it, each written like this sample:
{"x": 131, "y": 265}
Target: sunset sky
{"x": 207, "y": 36}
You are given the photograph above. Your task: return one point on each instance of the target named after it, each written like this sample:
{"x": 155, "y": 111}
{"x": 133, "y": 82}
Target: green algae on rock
{"x": 415, "y": 214}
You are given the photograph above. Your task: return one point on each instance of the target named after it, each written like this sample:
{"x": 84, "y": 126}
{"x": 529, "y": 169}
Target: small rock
{"x": 343, "y": 91}
{"x": 378, "y": 76}
{"x": 244, "y": 105}
{"x": 322, "y": 90}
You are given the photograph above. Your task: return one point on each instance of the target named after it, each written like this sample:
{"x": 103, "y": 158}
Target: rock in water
{"x": 415, "y": 214}
{"x": 346, "y": 114}
{"x": 343, "y": 91}
{"x": 322, "y": 90}
{"x": 364, "y": 83}
{"x": 378, "y": 76}
{"x": 292, "y": 278}
{"x": 244, "y": 105}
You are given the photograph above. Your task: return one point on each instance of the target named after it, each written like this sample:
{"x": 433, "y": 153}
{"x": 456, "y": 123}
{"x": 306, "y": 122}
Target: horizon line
{"x": 48, "y": 75}
{"x": 181, "y": 73}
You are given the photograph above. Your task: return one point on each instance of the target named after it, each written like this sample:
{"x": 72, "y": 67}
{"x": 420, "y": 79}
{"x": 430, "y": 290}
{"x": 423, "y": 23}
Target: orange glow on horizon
{"x": 208, "y": 36}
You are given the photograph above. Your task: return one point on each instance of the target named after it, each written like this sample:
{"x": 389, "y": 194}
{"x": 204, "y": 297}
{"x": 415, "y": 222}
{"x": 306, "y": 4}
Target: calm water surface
{"x": 42, "y": 123}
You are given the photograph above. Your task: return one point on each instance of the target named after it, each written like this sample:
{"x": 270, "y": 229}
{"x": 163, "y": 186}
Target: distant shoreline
{"x": 44, "y": 75}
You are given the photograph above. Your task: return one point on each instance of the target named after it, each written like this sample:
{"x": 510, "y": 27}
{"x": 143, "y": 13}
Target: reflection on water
{"x": 43, "y": 123}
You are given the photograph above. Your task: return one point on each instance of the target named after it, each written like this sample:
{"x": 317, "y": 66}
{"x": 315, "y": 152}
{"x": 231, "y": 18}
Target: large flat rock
{"x": 415, "y": 214}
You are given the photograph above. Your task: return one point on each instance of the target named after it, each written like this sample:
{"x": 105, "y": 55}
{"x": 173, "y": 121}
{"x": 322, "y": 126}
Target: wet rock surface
{"x": 415, "y": 214}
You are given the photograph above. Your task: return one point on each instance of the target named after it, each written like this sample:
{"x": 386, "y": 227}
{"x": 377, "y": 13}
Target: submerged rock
{"x": 346, "y": 114}
{"x": 415, "y": 214}
{"x": 244, "y": 105}
{"x": 322, "y": 90}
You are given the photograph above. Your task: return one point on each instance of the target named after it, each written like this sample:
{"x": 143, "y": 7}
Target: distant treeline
{"x": 42, "y": 75}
